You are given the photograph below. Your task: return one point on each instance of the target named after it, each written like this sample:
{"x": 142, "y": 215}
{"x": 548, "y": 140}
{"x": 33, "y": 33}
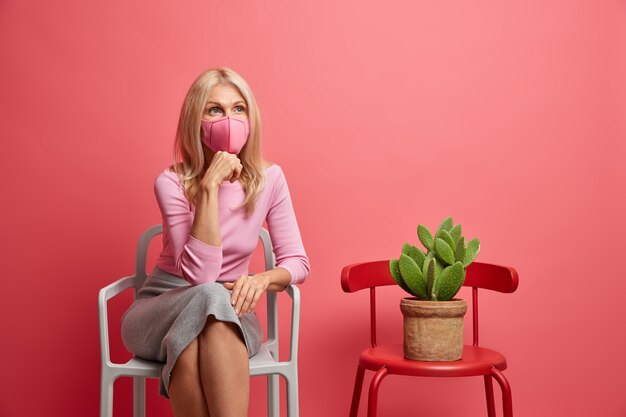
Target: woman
{"x": 195, "y": 311}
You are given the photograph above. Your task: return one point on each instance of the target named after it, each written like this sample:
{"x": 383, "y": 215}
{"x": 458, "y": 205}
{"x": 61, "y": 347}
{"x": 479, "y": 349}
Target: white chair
{"x": 265, "y": 362}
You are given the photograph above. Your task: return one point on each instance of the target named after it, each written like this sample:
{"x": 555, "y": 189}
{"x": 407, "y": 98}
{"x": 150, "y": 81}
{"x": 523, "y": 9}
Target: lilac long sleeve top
{"x": 198, "y": 262}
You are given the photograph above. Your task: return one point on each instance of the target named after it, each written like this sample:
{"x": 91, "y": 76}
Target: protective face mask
{"x": 225, "y": 134}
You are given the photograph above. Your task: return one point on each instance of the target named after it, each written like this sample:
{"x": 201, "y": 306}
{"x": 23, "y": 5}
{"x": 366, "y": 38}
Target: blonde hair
{"x": 188, "y": 150}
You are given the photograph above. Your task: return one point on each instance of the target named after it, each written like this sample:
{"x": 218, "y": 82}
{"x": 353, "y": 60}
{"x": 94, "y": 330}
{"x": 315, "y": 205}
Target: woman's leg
{"x": 224, "y": 369}
{"x": 185, "y": 389}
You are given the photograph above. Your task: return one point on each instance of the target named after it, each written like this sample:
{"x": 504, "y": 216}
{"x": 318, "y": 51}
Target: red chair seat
{"x": 475, "y": 361}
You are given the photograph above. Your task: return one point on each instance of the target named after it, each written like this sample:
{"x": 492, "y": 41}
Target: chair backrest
{"x": 370, "y": 275}
{"x": 142, "y": 254}
{"x": 359, "y": 276}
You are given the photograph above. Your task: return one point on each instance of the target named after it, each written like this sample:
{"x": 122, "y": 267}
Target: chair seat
{"x": 475, "y": 361}
{"x": 262, "y": 357}
{"x": 137, "y": 367}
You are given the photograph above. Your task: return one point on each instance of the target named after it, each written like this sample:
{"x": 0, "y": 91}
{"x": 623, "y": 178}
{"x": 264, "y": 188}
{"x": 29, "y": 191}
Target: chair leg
{"x": 491, "y": 409}
{"x": 507, "y": 401}
{"x": 273, "y": 395}
{"x": 139, "y": 396}
{"x": 372, "y": 402}
{"x": 292, "y": 394}
{"x": 106, "y": 395}
{"x": 356, "y": 394}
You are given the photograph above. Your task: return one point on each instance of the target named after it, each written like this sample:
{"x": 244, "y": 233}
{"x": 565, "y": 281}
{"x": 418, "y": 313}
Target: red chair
{"x": 389, "y": 359}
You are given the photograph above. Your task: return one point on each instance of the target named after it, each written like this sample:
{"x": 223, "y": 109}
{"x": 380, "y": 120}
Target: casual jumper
{"x": 185, "y": 286}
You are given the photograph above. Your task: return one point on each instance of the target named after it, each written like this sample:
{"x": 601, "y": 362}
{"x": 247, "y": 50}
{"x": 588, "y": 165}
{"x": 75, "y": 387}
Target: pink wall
{"x": 507, "y": 115}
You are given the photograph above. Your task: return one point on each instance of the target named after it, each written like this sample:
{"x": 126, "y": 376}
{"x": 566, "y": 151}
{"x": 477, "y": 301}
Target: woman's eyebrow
{"x": 238, "y": 102}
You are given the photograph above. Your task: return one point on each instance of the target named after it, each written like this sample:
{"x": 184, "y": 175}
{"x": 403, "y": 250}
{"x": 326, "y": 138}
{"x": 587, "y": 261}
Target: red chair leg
{"x": 356, "y": 394}
{"x": 372, "y": 402}
{"x": 507, "y": 401}
{"x": 491, "y": 408}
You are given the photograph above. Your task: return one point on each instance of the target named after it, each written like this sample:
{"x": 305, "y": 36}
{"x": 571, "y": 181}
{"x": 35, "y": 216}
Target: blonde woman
{"x": 195, "y": 311}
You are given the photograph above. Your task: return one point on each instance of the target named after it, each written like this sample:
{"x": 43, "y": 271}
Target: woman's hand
{"x": 224, "y": 166}
{"x": 246, "y": 292}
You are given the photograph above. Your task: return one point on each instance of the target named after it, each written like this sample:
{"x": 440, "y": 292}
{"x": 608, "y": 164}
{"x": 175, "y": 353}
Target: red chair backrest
{"x": 370, "y": 275}
{"x": 359, "y": 276}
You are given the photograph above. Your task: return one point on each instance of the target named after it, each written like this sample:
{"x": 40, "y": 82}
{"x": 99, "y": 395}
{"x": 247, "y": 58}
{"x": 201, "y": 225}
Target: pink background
{"x": 509, "y": 116}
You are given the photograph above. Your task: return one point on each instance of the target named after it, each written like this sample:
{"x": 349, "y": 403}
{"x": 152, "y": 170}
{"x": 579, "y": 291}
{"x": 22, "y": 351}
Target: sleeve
{"x": 285, "y": 234}
{"x": 196, "y": 261}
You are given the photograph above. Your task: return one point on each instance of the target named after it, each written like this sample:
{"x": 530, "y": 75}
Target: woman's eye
{"x": 213, "y": 110}
{"x": 240, "y": 109}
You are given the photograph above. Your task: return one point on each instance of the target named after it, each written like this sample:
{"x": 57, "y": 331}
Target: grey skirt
{"x": 169, "y": 314}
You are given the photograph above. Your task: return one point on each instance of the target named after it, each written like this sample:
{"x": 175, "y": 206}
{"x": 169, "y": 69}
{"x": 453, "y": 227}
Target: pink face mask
{"x": 225, "y": 134}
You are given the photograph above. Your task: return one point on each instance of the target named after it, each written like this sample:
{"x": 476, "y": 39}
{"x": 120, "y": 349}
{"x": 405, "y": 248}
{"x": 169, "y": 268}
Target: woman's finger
{"x": 255, "y": 300}
{"x": 260, "y": 286}
{"x": 241, "y": 298}
{"x": 220, "y": 168}
{"x": 237, "y": 289}
{"x": 236, "y": 170}
{"x": 245, "y": 307}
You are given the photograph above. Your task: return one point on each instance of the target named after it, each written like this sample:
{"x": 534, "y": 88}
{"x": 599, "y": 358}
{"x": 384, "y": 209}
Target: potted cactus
{"x": 433, "y": 319}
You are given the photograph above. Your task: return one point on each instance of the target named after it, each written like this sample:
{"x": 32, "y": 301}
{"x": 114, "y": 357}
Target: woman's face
{"x": 224, "y": 100}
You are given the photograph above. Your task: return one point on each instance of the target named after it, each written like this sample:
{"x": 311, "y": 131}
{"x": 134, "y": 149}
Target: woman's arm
{"x": 291, "y": 259}
{"x": 206, "y": 226}
{"x": 285, "y": 233}
{"x": 195, "y": 237}
{"x": 278, "y": 279}
{"x": 195, "y": 260}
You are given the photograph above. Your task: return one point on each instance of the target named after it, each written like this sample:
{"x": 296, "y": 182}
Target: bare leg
{"x": 224, "y": 369}
{"x": 185, "y": 390}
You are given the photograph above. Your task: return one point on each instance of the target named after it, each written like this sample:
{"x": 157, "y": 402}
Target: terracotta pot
{"x": 433, "y": 330}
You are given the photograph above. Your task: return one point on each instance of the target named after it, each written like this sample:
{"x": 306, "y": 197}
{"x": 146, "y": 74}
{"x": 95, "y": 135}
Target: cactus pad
{"x": 459, "y": 254}
{"x": 444, "y": 251}
{"x": 412, "y": 276}
{"x": 448, "y": 239}
{"x": 417, "y": 255}
{"x": 430, "y": 277}
{"x": 449, "y": 282}
{"x": 446, "y": 224}
{"x": 425, "y": 237}
{"x": 430, "y": 256}
{"x": 394, "y": 268}
{"x": 472, "y": 249}
{"x": 456, "y": 233}
{"x": 405, "y": 248}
